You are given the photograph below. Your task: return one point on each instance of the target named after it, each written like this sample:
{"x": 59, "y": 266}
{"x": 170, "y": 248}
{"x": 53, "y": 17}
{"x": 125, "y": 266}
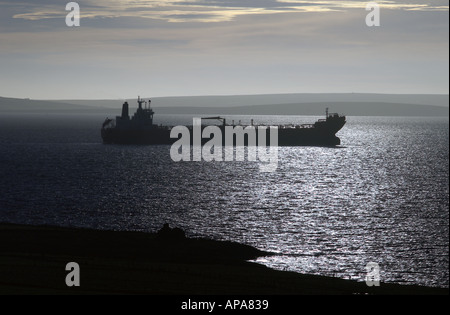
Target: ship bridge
{"x": 142, "y": 119}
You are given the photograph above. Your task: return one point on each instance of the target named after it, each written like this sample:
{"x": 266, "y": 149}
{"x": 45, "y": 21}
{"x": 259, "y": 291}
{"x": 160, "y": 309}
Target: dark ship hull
{"x": 307, "y": 137}
{"x": 141, "y": 130}
{"x": 286, "y": 137}
{"x": 135, "y": 136}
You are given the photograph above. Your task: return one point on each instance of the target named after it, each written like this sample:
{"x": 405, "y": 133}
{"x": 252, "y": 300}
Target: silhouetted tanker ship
{"x": 139, "y": 129}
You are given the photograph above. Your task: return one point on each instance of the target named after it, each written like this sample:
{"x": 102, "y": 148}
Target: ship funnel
{"x": 125, "y": 111}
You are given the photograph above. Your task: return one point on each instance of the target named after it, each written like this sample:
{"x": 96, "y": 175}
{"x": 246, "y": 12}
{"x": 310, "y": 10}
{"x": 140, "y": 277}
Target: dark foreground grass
{"x": 33, "y": 261}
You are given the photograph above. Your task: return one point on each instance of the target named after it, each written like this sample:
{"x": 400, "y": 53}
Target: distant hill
{"x": 348, "y": 104}
{"x": 27, "y": 105}
{"x": 350, "y": 109}
{"x": 270, "y": 99}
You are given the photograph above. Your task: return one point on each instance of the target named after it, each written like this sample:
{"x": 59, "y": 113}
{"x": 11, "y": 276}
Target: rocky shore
{"x": 33, "y": 260}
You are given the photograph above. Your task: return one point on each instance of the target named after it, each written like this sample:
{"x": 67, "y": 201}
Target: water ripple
{"x": 382, "y": 196}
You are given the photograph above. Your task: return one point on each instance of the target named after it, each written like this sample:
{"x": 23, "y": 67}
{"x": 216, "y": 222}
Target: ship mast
{"x": 140, "y": 102}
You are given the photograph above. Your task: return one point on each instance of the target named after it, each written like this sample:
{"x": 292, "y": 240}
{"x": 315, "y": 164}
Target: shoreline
{"x": 33, "y": 261}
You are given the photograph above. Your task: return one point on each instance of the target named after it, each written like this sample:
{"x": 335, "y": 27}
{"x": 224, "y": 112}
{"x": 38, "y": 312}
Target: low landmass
{"x": 39, "y": 106}
{"x": 316, "y": 109}
{"x": 274, "y": 104}
{"x": 33, "y": 261}
{"x": 271, "y": 99}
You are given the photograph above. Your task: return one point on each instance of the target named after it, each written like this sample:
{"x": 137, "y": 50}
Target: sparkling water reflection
{"x": 381, "y": 196}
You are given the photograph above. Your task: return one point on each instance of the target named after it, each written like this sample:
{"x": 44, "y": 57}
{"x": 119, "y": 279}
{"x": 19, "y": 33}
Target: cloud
{"x": 190, "y": 47}
{"x": 182, "y": 11}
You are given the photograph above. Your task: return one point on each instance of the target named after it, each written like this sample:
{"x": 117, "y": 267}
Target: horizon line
{"x": 221, "y": 95}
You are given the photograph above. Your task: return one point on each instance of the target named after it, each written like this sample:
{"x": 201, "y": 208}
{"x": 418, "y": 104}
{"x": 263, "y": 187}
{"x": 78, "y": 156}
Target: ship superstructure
{"x": 140, "y": 129}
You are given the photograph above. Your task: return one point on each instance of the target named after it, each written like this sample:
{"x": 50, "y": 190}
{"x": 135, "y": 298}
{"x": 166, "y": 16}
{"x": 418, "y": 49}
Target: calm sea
{"x": 382, "y": 196}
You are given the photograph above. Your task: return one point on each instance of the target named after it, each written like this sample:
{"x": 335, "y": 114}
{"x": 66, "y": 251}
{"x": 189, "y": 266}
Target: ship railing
{"x": 292, "y": 126}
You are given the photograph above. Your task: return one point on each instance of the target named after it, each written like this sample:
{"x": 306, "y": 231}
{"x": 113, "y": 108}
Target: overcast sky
{"x": 126, "y": 48}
